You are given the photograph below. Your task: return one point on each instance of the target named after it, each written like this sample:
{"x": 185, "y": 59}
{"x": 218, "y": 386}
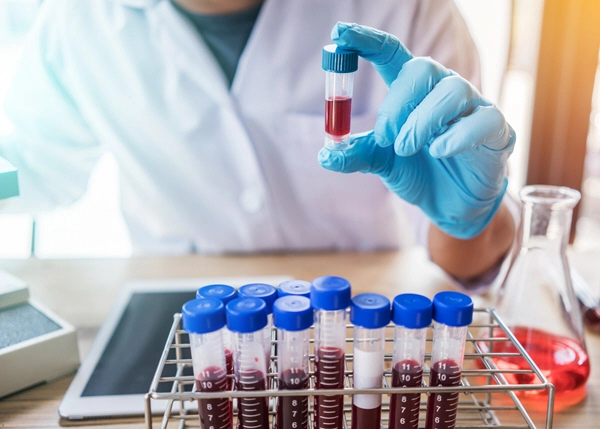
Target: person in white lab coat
{"x": 218, "y": 158}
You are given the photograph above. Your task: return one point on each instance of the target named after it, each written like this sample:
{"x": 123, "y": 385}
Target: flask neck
{"x": 545, "y": 226}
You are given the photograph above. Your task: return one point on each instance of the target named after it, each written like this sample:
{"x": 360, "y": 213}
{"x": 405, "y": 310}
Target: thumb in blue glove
{"x": 437, "y": 143}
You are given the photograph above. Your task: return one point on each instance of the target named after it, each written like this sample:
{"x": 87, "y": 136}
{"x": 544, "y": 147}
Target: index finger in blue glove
{"x": 384, "y": 50}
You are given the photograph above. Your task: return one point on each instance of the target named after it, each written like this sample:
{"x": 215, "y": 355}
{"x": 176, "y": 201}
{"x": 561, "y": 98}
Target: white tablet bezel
{"x": 77, "y": 407}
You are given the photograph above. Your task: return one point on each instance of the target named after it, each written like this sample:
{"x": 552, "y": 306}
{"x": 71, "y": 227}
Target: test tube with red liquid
{"x": 204, "y": 320}
{"x": 339, "y": 66}
{"x": 224, "y": 293}
{"x": 294, "y": 287}
{"x": 247, "y": 321}
{"x": 293, "y": 316}
{"x": 330, "y": 297}
{"x": 411, "y": 314}
{"x": 268, "y": 294}
{"x": 452, "y": 314}
{"x": 370, "y": 314}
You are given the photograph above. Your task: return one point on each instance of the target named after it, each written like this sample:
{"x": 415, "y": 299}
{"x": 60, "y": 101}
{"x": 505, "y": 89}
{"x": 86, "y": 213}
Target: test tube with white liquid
{"x": 411, "y": 314}
{"x": 293, "y": 316}
{"x": 247, "y": 321}
{"x": 452, "y": 314}
{"x": 204, "y": 319}
{"x": 330, "y": 297}
{"x": 370, "y": 314}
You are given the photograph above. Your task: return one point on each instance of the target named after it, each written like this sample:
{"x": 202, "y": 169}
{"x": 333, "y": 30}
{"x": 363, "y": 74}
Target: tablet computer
{"x": 118, "y": 369}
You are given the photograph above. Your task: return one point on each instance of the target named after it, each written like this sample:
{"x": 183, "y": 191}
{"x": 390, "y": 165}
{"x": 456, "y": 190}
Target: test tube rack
{"x": 487, "y": 399}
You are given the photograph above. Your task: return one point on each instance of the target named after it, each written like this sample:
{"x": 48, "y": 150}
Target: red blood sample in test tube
{"x": 330, "y": 297}
{"x": 293, "y": 317}
{"x": 452, "y": 313}
{"x": 204, "y": 320}
{"x": 370, "y": 314}
{"x": 247, "y": 321}
{"x": 411, "y": 314}
{"x": 339, "y": 66}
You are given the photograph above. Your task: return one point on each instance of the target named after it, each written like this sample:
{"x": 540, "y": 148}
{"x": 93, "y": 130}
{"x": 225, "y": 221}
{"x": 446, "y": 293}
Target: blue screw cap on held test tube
{"x": 263, "y": 291}
{"x": 370, "y": 310}
{"x": 225, "y": 293}
{"x": 246, "y": 315}
{"x": 330, "y": 293}
{"x": 452, "y": 309}
{"x": 200, "y": 316}
{"x": 294, "y": 287}
{"x": 412, "y": 311}
{"x": 338, "y": 60}
{"x": 293, "y": 313}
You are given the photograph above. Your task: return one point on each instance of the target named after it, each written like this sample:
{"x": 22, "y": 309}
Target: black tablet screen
{"x": 131, "y": 356}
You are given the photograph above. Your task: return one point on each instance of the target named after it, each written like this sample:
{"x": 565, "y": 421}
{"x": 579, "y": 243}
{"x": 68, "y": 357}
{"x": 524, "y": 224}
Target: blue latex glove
{"x": 437, "y": 142}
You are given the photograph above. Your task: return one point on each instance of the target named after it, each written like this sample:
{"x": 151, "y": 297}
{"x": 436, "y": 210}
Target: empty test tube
{"x": 293, "y": 317}
{"x": 204, "y": 320}
{"x": 339, "y": 66}
{"x": 452, "y": 313}
{"x": 247, "y": 321}
{"x": 370, "y": 314}
{"x": 330, "y": 297}
{"x": 411, "y": 314}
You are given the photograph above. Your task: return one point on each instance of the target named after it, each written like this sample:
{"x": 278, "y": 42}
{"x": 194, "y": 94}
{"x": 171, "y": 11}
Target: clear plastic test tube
{"x": 339, "y": 66}
{"x": 411, "y": 314}
{"x": 293, "y": 316}
{"x": 268, "y": 294}
{"x": 294, "y": 287}
{"x": 224, "y": 293}
{"x": 370, "y": 314}
{"x": 330, "y": 297}
{"x": 204, "y": 320}
{"x": 247, "y": 321}
{"x": 452, "y": 314}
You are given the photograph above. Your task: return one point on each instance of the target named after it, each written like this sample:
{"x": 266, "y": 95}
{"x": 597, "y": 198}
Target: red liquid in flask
{"x": 338, "y": 114}
{"x": 365, "y": 418}
{"x": 442, "y": 407}
{"x": 292, "y": 411}
{"x": 214, "y": 413}
{"x": 253, "y": 413}
{"x": 229, "y": 366}
{"x": 563, "y": 362}
{"x": 404, "y": 409}
{"x": 329, "y": 373}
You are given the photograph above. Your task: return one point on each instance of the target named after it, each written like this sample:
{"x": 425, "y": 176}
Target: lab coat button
{"x": 251, "y": 201}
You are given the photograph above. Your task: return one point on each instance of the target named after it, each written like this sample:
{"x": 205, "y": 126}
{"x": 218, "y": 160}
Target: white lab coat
{"x": 203, "y": 167}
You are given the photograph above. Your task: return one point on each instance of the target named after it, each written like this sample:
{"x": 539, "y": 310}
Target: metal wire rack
{"x": 490, "y": 394}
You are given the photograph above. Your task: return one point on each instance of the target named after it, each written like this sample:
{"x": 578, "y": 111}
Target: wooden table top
{"x": 68, "y": 287}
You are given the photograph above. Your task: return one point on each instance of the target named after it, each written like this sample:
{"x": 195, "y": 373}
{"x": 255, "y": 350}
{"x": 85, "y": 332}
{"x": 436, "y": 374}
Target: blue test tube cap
{"x": 338, "y": 60}
{"x": 412, "y": 311}
{"x": 370, "y": 310}
{"x": 246, "y": 315}
{"x": 294, "y": 287}
{"x": 330, "y": 293}
{"x": 293, "y": 313}
{"x": 453, "y": 309}
{"x": 263, "y": 291}
{"x": 203, "y": 315}
{"x": 225, "y": 293}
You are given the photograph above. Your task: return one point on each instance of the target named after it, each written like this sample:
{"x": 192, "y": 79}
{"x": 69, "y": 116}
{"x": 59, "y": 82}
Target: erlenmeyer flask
{"x": 537, "y": 300}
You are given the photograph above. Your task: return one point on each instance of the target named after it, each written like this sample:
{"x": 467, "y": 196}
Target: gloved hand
{"x": 437, "y": 142}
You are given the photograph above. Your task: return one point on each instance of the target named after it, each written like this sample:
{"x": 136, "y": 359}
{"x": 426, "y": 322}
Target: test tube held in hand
{"x": 204, "y": 320}
{"x": 339, "y": 65}
{"x": 411, "y": 314}
{"x": 247, "y": 321}
{"x": 452, "y": 314}
{"x": 293, "y": 316}
{"x": 330, "y": 297}
{"x": 370, "y": 314}
{"x": 224, "y": 293}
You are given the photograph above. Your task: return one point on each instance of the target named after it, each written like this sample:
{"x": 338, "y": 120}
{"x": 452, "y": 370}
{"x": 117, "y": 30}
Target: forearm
{"x": 468, "y": 259}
